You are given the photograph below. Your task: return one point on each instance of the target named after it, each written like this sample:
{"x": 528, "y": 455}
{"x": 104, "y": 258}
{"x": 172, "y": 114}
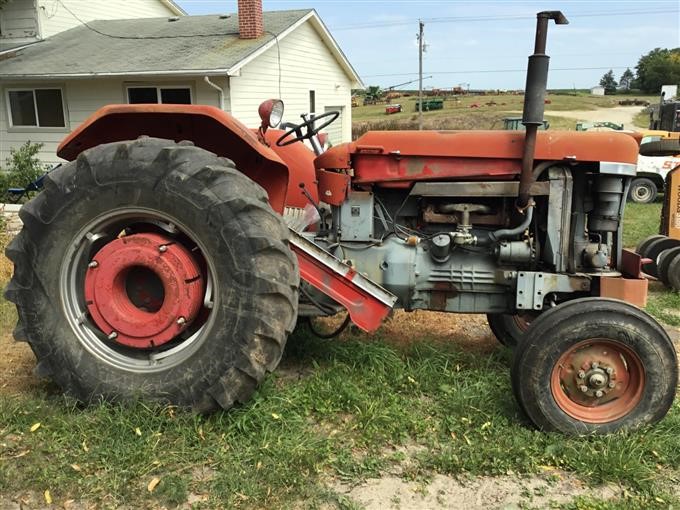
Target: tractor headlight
{"x": 271, "y": 112}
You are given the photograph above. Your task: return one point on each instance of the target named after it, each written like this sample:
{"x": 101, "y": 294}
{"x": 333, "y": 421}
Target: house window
{"x": 36, "y": 108}
{"x": 159, "y": 95}
{"x": 312, "y": 101}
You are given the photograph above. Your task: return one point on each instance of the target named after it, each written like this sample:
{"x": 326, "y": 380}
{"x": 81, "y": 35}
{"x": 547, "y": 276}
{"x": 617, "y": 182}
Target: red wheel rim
{"x": 598, "y": 381}
{"x": 143, "y": 290}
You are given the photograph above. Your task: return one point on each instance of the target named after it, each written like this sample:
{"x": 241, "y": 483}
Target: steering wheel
{"x": 309, "y": 125}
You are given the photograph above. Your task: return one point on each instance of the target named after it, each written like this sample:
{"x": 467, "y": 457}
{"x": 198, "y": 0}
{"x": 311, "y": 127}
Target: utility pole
{"x": 421, "y": 26}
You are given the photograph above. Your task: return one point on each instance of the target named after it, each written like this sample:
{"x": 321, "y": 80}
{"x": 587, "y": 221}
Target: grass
{"x": 458, "y": 114}
{"x": 640, "y": 221}
{"x": 342, "y": 421}
{"x": 641, "y": 119}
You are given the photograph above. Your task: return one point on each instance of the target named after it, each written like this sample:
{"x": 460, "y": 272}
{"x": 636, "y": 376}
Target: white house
{"x": 598, "y": 90}
{"x": 60, "y": 60}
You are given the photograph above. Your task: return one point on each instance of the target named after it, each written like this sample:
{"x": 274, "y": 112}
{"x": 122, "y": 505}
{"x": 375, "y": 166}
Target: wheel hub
{"x": 142, "y": 290}
{"x": 597, "y": 381}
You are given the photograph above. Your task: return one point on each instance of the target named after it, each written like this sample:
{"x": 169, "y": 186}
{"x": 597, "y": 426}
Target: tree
{"x": 609, "y": 82}
{"x": 626, "y": 80}
{"x": 661, "y": 66}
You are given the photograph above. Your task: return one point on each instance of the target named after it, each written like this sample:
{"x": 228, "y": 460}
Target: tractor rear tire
{"x": 664, "y": 261}
{"x": 653, "y": 251}
{"x": 509, "y": 329}
{"x": 669, "y": 147}
{"x": 156, "y": 188}
{"x": 595, "y": 366}
{"x": 674, "y": 274}
{"x": 642, "y": 246}
{"x": 643, "y": 191}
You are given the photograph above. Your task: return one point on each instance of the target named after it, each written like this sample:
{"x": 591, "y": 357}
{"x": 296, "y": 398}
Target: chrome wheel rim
{"x": 92, "y": 237}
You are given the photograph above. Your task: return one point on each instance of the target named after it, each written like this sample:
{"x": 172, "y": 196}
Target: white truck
{"x": 657, "y": 158}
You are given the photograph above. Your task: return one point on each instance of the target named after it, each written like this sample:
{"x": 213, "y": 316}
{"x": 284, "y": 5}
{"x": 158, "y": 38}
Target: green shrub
{"x": 21, "y": 167}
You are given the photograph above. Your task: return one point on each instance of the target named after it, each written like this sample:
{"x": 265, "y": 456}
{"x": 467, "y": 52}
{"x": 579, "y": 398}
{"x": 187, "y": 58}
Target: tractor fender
{"x": 207, "y": 127}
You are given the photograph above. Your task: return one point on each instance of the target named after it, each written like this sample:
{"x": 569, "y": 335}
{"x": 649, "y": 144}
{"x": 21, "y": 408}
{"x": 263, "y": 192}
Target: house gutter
{"x": 220, "y": 92}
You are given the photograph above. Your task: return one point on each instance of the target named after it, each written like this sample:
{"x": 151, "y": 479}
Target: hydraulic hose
{"x": 507, "y": 233}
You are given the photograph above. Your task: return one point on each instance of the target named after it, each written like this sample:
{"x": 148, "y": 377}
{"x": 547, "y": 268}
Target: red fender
{"x": 206, "y": 126}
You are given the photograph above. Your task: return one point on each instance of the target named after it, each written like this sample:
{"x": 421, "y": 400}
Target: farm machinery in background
{"x": 662, "y": 252}
{"x": 174, "y": 253}
{"x": 660, "y": 147}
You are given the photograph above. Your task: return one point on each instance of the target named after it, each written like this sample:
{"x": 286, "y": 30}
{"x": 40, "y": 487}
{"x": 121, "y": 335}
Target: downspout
{"x": 219, "y": 90}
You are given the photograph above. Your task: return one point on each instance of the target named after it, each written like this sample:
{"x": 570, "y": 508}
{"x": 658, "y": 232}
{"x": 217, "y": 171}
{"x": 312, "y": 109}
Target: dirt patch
{"x": 16, "y": 367}
{"x": 406, "y": 328}
{"x": 506, "y": 492}
{"x": 617, "y": 114}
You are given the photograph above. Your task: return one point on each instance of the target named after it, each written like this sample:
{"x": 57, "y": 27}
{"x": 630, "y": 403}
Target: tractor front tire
{"x": 595, "y": 366}
{"x": 219, "y": 244}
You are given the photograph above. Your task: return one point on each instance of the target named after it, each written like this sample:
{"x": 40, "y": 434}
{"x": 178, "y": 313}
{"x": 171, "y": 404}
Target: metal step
{"x": 366, "y": 301}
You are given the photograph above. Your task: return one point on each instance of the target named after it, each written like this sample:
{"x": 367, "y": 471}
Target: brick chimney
{"x": 250, "y": 25}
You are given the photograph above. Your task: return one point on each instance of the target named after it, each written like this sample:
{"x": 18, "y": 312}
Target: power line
{"x": 484, "y": 71}
{"x": 473, "y": 19}
{"x": 634, "y": 54}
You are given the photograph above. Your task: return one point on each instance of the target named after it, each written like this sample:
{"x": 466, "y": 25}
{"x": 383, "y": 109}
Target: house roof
{"x": 205, "y": 45}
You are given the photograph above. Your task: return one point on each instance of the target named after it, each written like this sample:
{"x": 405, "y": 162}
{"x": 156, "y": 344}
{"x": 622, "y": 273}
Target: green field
{"x": 421, "y": 405}
{"x": 488, "y": 114}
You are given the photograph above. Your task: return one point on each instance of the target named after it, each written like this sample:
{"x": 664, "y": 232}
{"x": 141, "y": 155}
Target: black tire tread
{"x": 669, "y": 147}
{"x": 542, "y": 330}
{"x": 274, "y": 310}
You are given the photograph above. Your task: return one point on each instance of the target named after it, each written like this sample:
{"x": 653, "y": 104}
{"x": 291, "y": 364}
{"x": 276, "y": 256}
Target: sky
{"x": 484, "y": 44}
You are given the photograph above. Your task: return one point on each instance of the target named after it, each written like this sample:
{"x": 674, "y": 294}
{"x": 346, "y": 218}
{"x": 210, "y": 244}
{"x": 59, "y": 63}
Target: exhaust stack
{"x": 534, "y": 96}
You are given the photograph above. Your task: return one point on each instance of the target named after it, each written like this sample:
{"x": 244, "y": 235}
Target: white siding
{"x": 54, "y": 18}
{"x": 306, "y": 64}
{"x": 18, "y": 21}
{"x": 84, "y": 97}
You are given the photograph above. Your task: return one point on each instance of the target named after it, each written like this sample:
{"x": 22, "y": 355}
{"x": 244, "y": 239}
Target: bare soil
{"x": 16, "y": 367}
{"x": 616, "y": 114}
{"x": 506, "y": 492}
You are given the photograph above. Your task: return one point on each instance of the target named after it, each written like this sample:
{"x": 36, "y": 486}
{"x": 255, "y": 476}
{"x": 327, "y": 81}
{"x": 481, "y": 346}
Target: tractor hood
{"x": 383, "y": 156}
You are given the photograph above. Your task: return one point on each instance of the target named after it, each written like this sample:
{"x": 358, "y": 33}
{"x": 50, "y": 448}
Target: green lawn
{"x": 356, "y": 402}
{"x": 488, "y": 113}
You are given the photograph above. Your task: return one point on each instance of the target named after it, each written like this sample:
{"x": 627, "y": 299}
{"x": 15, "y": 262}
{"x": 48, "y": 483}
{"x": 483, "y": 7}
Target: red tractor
{"x": 160, "y": 262}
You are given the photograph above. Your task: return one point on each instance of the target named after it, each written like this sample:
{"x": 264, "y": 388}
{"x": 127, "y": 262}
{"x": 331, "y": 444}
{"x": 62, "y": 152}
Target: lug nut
{"x": 162, "y": 248}
{"x": 599, "y": 393}
{"x": 93, "y": 264}
{"x": 581, "y": 374}
{"x": 113, "y": 335}
{"x": 584, "y": 388}
{"x": 612, "y": 384}
{"x": 181, "y": 321}
{"x": 610, "y": 370}
{"x": 595, "y": 364}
